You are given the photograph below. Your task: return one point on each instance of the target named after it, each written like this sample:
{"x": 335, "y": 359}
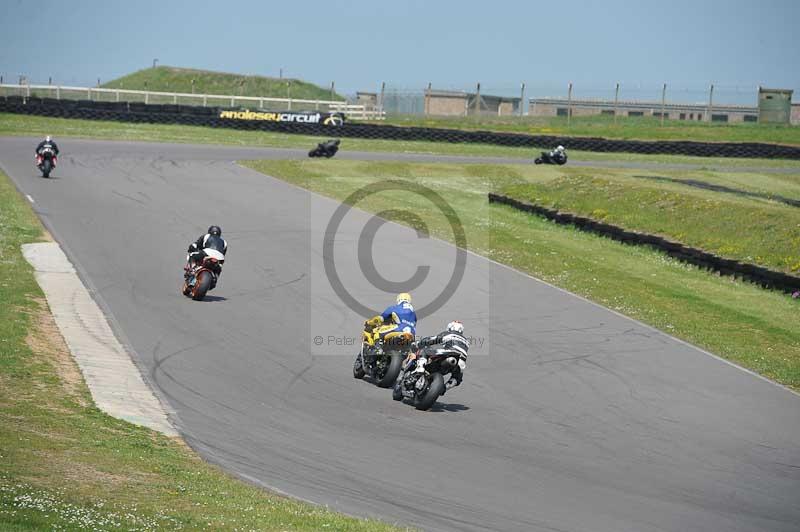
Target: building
{"x": 672, "y": 111}
{"x": 795, "y": 118}
{"x": 459, "y": 103}
{"x": 774, "y": 106}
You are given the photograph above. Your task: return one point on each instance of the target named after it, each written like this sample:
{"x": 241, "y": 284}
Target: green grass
{"x": 174, "y": 79}
{"x": 641, "y": 128}
{"x": 756, "y": 328}
{"x": 13, "y": 124}
{"x": 752, "y": 230}
{"x": 64, "y": 465}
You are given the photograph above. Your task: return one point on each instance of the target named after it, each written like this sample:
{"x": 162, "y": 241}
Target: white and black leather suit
{"x": 207, "y": 241}
{"x": 450, "y": 344}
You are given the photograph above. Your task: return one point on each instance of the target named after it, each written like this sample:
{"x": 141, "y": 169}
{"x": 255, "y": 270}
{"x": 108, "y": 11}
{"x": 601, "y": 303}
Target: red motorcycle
{"x": 46, "y": 160}
{"x": 202, "y": 277}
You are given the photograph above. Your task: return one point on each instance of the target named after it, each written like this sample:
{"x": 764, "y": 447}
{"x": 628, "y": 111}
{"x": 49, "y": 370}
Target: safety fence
{"x": 214, "y": 117}
{"x": 97, "y": 94}
{"x": 761, "y": 276}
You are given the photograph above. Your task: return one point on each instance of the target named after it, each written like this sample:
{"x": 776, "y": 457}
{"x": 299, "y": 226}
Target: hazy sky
{"x": 451, "y": 43}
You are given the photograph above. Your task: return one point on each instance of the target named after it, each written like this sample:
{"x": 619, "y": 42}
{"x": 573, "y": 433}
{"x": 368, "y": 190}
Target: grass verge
{"x": 748, "y": 229}
{"x": 755, "y": 328}
{"x": 639, "y": 128}
{"x": 13, "y": 124}
{"x": 65, "y": 465}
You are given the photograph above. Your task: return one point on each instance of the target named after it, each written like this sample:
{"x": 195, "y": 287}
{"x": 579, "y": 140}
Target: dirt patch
{"x": 45, "y": 340}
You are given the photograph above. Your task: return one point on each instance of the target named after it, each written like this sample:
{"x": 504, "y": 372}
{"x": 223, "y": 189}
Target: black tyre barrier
{"x": 761, "y": 276}
{"x": 209, "y": 116}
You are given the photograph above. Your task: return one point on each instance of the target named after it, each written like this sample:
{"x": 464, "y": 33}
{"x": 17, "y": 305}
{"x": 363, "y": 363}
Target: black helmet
{"x": 215, "y": 230}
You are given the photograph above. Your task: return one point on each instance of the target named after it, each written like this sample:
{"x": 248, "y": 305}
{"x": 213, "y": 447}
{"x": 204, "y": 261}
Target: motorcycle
{"x": 201, "y": 278}
{"x": 550, "y": 158}
{"x": 382, "y": 360}
{"x": 46, "y": 161}
{"x": 425, "y": 382}
{"x": 325, "y": 149}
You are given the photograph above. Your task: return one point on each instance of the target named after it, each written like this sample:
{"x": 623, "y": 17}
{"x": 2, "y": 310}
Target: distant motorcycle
{"x": 201, "y": 278}
{"x": 425, "y": 382}
{"x": 382, "y": 361}
{"x": 552, "y": 157}
{"x": 325, "y": 149}
{"x": 46, "y": 161}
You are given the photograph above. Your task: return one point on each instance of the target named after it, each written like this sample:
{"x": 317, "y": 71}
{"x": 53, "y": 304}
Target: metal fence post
{"x": 383, "y": 91}
{"x": 233, "y": 101}
{"x": 663, "y": 101}
{"x": 205, "y": 99}
{"x": 146, "y": 97}
{"x": 521, "y": 99}
{"x": 117, "y": 94}
{"x": 58, "y": 92}
{"x": 616, "y": 103}
{"x": 428, "y": 99}
{"x": 569, "y": 104}
{"x": 478, "y": 100}
{"x": 710, "y": 103}
{"x": 89, "y": 93}
{"x": 175, "y": 98}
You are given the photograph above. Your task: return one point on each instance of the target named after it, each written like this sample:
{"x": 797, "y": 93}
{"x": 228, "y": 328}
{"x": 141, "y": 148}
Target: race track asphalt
{"x": 571, "y": 417}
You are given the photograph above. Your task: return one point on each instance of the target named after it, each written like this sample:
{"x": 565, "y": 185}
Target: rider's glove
{"x": 462, "y": 364}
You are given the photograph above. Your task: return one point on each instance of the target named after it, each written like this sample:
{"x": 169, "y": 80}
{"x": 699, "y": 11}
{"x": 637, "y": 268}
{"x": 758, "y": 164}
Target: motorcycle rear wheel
{"x": 435, "y": 389}
{"x": 392, "y": 371}
{"x": 202, "y": 285}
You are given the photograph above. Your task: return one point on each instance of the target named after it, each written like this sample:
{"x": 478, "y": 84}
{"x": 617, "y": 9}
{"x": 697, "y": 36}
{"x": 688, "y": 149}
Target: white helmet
{"x": 47, "y": 138}
{"x": 456, "y": 327}
{"x": 560, "y": 148}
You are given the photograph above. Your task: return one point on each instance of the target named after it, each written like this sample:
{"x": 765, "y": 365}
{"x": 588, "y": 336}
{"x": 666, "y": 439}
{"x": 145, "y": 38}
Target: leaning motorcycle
{"x": 46, "y": 161}
{"x": 425, "y": 382}
{"x": 382, "y": 360}
{"x": 202, "y": 277}
{"x": 325, "y": 149}
{"x": 547, "y": 158}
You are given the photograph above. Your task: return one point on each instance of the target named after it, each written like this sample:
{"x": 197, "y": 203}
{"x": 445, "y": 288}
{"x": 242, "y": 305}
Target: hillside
{"x": 174, "y": 79}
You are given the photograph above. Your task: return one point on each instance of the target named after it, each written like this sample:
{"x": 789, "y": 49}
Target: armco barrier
{"x": 741, "y": 270}
{"x": 210, "y": 116}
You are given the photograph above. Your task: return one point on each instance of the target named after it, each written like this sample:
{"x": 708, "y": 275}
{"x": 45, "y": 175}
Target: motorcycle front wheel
{"x": 46, "y": 168}
{"x": 431, "y": 394}
{"x": 358, "y": 367}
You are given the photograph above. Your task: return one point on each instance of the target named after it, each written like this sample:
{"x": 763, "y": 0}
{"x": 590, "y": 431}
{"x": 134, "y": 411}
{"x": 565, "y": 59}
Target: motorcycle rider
{"x": 558, "y": 153}
{"x": 401, "y": 314}
{"x": 450, "y": 342}
{"x": 211, "y": 240}
{"x": 48, "y": 142}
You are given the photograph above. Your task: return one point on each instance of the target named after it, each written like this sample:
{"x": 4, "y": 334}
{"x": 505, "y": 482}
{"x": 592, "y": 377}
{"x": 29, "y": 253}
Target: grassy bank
{"x": 641, "y": 128}
{"x": 749, "y": 229}
{"x": 64, "y": 465}
{"x": 745, "y": 324}
{"x": 12, "y": 124}
{"x": 176, "y": 79}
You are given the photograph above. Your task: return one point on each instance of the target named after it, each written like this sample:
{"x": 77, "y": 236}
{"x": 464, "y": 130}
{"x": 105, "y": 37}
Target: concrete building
{"x": 459, "y": 103}
{"x": 795, "y": 118}
{"x": 774, "y": 106}
{"x": 672, "y": 111}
